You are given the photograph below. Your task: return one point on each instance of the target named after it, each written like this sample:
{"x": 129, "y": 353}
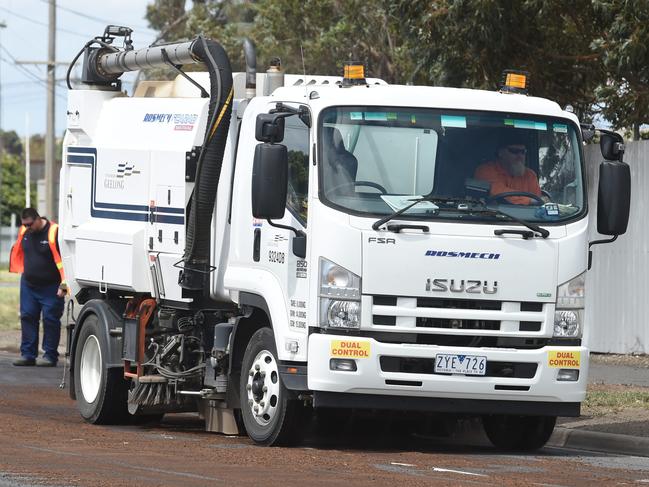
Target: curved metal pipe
{"x": 250, "y": 53}
{"x": 112, "y": 63}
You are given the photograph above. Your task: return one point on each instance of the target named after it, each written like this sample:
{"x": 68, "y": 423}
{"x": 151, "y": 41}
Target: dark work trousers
{"x": 33, "y": 300}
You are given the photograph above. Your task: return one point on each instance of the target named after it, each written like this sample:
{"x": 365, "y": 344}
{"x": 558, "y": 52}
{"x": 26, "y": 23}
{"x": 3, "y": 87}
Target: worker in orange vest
{"x": 37, "y": 257}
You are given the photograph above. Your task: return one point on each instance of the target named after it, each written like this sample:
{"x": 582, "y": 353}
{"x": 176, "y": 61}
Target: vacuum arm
{"x": 111, "y": 63}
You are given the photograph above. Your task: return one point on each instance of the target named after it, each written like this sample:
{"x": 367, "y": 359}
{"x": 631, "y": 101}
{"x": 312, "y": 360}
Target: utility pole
{"x": 50, "y": 137}
{"x": 2, "y": 26}
{"x": 28, "y": 184}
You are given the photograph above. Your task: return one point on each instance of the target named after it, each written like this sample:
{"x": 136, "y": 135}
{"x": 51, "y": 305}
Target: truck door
{"x": 275, "y": 244}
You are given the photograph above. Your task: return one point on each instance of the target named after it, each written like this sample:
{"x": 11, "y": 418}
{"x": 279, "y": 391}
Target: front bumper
{"x": 370, "y": 379}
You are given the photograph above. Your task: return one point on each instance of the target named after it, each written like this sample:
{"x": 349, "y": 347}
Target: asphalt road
{"x": 44, "y": 441}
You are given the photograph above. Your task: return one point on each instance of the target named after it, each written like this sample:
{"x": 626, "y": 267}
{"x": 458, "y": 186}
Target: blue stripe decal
{"x": 179, "y": 220}
{"x": 164, "y": 209}
{"x": 88, "y": 155}
{"x": 117, "y": 206}
{"x": 81, "y": 159}
{"x": 83, "y": 150}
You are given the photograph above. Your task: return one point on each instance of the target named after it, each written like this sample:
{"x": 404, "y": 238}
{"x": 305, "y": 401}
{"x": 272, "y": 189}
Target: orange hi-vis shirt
{"x": 503, "y": 182}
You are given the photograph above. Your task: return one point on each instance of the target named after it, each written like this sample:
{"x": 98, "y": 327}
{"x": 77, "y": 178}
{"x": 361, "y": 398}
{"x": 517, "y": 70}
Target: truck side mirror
{"x": 612, "y": 146}
{"x": 270, "y": 127}
{"x": 269, "y": 181}
{"x": 614, "y": 197}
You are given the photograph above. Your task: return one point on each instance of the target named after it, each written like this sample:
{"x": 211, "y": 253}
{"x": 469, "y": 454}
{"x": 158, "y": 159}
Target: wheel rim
{"x": 263, "y": 388}
{"x": 90, "y": 370}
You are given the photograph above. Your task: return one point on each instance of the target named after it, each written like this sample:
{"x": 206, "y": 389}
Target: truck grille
{"x": 468, "y": 322}
{"x": 459, "y": 303}
{"x": 458, "y": 324}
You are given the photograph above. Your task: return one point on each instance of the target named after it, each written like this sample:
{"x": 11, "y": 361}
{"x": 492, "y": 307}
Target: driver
{"x": 508, "y": 172}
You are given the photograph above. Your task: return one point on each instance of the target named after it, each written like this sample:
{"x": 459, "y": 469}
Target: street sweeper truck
{"x": 259, "y": 247}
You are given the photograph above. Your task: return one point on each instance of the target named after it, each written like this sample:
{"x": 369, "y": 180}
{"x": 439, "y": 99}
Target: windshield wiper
{"x": 400, "y": 211}
{"x": 464, "y": 204}
{"x": 532, "y": 226}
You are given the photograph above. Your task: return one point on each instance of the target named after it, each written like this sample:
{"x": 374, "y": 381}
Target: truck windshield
{"x": 377, "y": 160}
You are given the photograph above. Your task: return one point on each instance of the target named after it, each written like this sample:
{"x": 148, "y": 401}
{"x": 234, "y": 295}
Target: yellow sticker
{"x": 564, "y": 359}
{"x": 350, "y": 349}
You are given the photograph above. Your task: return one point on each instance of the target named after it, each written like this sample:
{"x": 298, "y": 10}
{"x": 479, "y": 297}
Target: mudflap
{"x": 218, "y": 417}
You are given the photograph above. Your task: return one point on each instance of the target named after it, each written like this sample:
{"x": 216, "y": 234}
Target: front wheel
{"x": 269, "y": 415}
{"x": 100, "y": 391}
{"x": 518, "y": 433}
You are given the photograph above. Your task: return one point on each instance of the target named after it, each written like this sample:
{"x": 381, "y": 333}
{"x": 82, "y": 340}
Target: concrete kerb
{"x": 600, "y": 442}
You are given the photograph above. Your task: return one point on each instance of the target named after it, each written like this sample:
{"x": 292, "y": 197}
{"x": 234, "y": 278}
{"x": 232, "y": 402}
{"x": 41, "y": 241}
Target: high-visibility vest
{"x": 17, "y": 256}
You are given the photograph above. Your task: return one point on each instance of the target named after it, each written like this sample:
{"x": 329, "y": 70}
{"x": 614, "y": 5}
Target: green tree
{"x": 624, "y": 46}
{"x": 13, "y": 187}
{"x": 326, "y": 32}
{"x": 591, "y": 54}
{"x": 468, "y": 43}
{"x": 168, "y": 17}
{"x": 11, "y": 142}
{"x": 330, "y": 32}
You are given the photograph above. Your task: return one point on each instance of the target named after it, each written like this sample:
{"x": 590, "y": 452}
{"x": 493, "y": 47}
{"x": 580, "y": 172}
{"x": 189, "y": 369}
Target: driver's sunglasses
{"x": 27, "y": 225}
{"x": 516, "y": 152}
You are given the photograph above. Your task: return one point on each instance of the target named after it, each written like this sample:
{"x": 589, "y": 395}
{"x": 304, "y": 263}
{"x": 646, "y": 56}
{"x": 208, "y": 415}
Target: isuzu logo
{"x": 473, "y": 286}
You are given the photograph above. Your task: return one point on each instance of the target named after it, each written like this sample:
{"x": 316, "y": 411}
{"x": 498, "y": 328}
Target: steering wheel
{"x": 371, "y": 184}
{"x": 359, "y": 183}
{"x": 501, "y": 197}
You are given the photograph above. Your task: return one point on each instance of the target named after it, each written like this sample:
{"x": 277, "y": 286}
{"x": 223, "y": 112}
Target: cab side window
{"x": 296, "y": 139}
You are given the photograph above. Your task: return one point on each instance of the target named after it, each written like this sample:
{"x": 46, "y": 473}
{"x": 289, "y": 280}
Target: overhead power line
{"x": 34, "y": 77}
{"x": 44, "y": 24}
{"x": 96, "y": 19}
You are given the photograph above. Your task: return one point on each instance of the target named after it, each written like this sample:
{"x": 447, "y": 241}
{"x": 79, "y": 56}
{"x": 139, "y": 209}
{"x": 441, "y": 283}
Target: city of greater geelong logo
{"x": 462, "y": 255}
{"x": 125, "y": 169}
{"x": 116, "y": 179}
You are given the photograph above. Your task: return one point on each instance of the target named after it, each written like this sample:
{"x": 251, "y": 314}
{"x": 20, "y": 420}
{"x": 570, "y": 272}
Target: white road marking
{"x": 437, "y": 469}
{"x": 403, "y": 464}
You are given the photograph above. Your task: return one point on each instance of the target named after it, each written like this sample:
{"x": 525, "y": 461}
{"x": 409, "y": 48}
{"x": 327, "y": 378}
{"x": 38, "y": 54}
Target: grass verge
{"x": 610, "y": 399}
{"x": 9, "y": 301}
{"x": 6, "y": 276}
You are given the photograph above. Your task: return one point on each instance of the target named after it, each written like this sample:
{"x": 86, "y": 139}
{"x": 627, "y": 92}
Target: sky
{"x": 23, "y": 87}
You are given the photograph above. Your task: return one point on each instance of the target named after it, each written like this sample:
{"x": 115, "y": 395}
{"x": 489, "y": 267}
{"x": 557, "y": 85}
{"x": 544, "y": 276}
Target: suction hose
{"x": 197, "y": 240}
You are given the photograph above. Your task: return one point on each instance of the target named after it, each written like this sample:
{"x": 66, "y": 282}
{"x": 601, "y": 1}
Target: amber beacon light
{"x": 353, "y": 74}
{"x": 515, "y": 81}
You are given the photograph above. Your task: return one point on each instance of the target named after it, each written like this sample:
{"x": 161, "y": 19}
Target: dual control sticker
{"x": 350, "y": 349}
{"x": 564, "y": 360}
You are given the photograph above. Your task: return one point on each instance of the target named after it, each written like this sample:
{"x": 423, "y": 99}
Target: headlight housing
{"x": 570, "y": 295}
{"x": 340, "y": 296}
{"x": 569, "y": 311}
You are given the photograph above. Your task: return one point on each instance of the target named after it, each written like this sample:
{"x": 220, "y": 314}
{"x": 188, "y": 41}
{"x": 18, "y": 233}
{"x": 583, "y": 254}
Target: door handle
{"x": 256, "y": 246}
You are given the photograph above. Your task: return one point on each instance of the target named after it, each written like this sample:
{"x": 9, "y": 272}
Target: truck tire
{"x": 101, "y": 392}
{"x": 518, "y": 433}
{"x": 269, "y": 415}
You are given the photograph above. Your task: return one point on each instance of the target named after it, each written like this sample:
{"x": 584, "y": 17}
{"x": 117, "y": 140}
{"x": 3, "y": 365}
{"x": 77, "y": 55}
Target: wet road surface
{"x": 44, "y": 441}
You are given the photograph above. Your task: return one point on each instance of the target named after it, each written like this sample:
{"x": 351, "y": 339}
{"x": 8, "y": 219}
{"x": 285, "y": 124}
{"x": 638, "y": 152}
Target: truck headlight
{"x": 340, "y": 296}
{"x": 567, "y": 323}
{"x": 569, "y": 311}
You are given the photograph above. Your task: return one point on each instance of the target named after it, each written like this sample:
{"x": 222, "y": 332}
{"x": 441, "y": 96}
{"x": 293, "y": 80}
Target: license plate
{"x": 460, "y": 364}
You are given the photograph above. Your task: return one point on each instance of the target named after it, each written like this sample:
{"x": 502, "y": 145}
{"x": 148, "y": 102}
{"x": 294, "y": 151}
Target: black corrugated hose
{"x": 197, "y": 241}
